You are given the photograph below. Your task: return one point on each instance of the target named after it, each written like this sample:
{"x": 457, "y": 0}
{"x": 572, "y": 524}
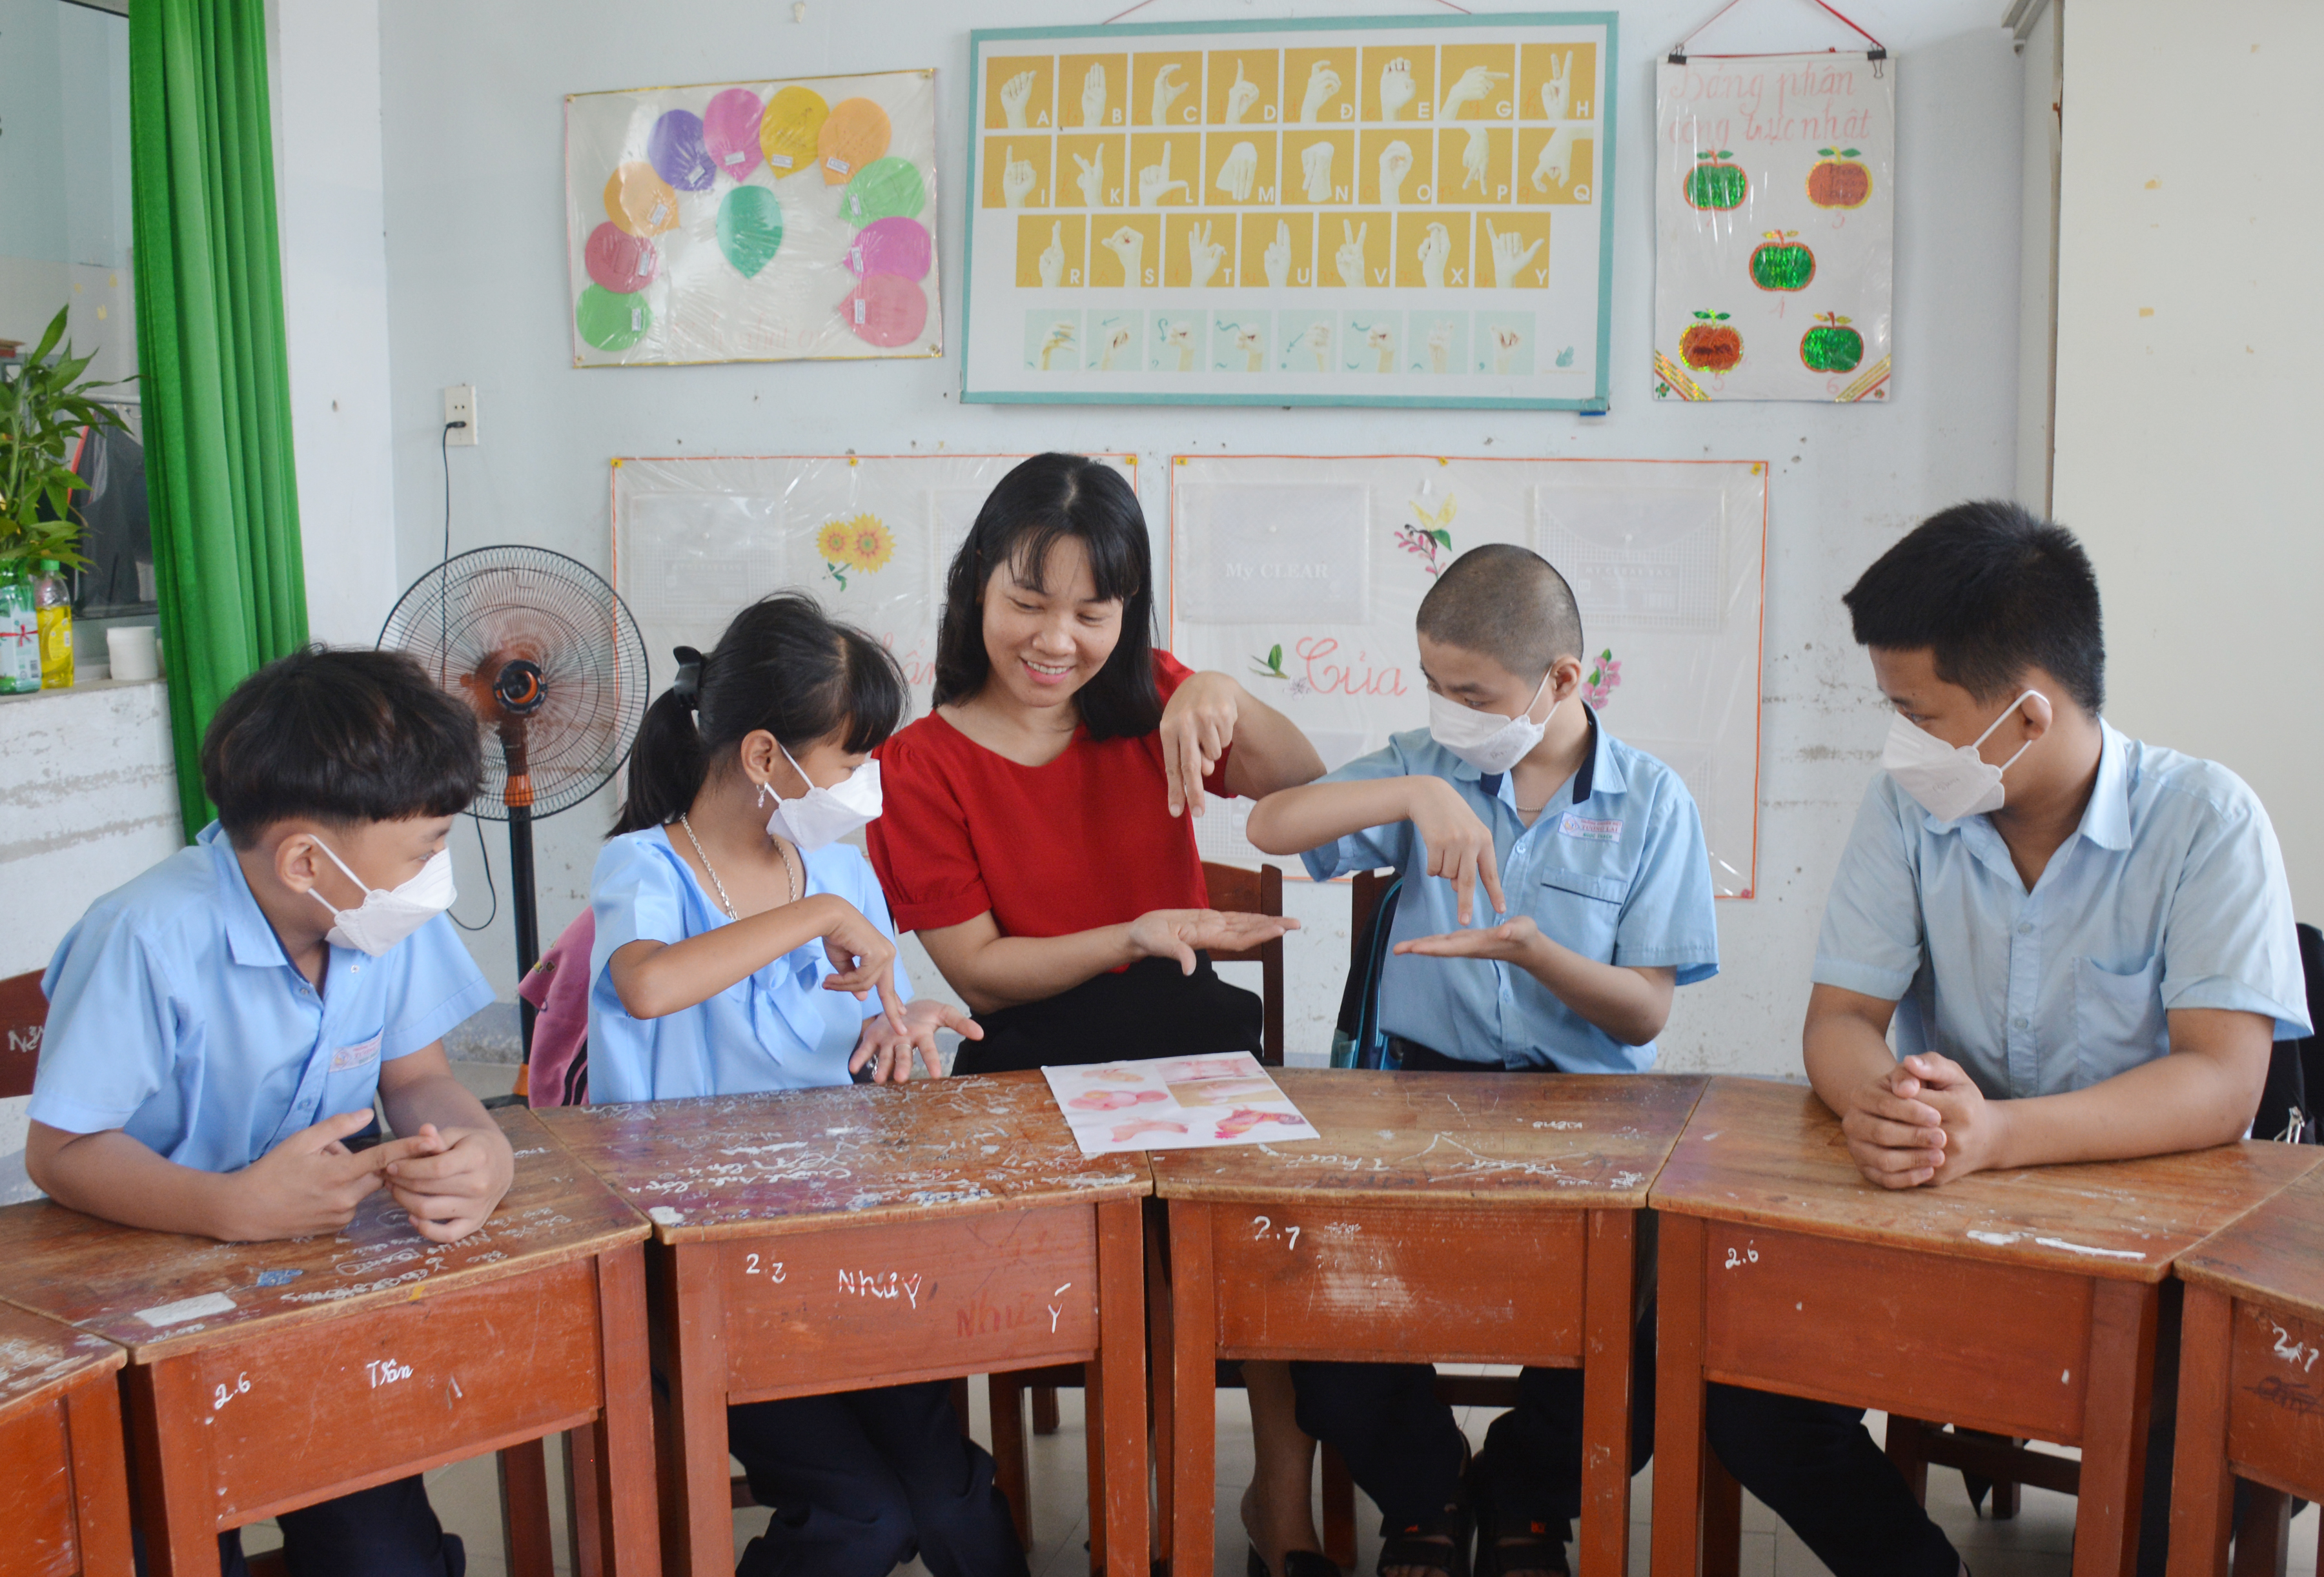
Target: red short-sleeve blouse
{"x": 1085, "y": 841}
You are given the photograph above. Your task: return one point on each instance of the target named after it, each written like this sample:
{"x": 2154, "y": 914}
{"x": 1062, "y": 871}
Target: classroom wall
{"x": 472, "y": 102}
{"x": 2186, "y": 427}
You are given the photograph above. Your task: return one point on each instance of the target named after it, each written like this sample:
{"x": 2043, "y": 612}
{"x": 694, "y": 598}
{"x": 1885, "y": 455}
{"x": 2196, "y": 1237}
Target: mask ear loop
{"x": 1996, "y": 723}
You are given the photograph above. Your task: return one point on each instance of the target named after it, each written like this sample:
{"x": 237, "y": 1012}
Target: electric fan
{"x": 549, "y": 657}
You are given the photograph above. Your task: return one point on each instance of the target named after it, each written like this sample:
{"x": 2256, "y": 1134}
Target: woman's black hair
{"x": 1041, "y": 503}
{"x": 785, "y": 666}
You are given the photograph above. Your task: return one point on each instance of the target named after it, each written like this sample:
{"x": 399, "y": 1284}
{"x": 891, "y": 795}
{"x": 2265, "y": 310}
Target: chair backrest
{"x": 1237, "y": 890}
{"x": 23, "y": 1011}
{"x": 1371, "y": 912}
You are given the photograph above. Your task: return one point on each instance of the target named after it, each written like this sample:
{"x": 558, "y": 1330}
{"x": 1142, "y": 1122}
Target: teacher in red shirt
{"x": 1038, "y": 824}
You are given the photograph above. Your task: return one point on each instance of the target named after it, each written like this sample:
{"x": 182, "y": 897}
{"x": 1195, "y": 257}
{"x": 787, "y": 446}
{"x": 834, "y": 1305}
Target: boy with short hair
{"x": 1593, "y": 851}
{"x": 2086, "y": 944}
{"x": 218, "y": 1026}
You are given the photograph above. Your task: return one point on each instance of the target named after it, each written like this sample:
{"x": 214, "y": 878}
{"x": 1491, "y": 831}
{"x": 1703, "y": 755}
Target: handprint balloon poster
{"x": 1324, "y": 211}
{"x": 754, "y": 221}
{"x": 1774, "y": 205}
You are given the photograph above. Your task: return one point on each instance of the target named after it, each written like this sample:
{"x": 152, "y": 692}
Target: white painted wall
{"x": 2187, "y": 409}
{"x": 472, "y": 101}
{"x": 323, "y": 55}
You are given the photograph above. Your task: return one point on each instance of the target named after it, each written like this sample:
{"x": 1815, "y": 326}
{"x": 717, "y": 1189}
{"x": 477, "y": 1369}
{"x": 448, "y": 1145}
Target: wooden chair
{"x": 23, "y": 1010}
{"x": 1233, "y": 890}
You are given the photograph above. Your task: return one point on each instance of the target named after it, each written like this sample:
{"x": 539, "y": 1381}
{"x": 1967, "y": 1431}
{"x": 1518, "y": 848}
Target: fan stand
{"x": 517, "y": 687}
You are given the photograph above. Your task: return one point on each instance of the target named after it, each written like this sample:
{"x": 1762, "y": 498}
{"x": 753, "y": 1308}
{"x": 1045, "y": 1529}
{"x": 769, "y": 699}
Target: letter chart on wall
{"x": 1302, "y": 577}
{"x": 1328, "y": 211}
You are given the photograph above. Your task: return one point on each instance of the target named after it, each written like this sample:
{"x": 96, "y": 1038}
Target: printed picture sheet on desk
{"x": 1316, "y": 213}
{"x": 1174, "y": 1103}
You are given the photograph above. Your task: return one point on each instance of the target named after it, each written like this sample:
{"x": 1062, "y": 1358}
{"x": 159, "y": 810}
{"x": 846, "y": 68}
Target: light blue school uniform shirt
{"x": 2170, "y": 894}
{"x": 175, "y": 1016}
{"x": 1614, "y": 867}
{"x": 775, "y": 1029}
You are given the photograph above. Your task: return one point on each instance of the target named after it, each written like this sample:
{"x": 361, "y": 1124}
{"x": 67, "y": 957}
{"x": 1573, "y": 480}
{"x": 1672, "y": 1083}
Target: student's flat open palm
{"x": 1507, "y": 942}
{"x": 1179, "y": 934}
{"x": 1457, "y": 846}
{"x": 1197, "y": 727}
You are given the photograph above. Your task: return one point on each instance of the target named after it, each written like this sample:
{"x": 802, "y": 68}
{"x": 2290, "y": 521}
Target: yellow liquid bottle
{"x": 53, "y": 595}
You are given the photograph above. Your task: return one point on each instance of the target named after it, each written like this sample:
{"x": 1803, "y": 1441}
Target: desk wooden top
{"x": 1772, "y": 1155}
{"x": 2273, "y": 1256}
{"x": 1576, "y": 1141}
{"x": 160, "y": 1294}
{"x": 736, "y": 1166}
{"x": 39, "y": 1357}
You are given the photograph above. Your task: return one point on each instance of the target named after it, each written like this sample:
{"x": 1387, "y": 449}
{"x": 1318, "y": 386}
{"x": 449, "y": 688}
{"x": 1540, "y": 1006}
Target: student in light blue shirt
{"x": 741, "y": 947}
{"x": 218, "y": 1028}
{"x": 1516, "y": 798}
{"x": 2083, "y": 944}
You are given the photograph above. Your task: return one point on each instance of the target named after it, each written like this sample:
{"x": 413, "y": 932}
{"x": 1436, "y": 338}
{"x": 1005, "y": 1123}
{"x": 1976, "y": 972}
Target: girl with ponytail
{"x": 740, "y": 948}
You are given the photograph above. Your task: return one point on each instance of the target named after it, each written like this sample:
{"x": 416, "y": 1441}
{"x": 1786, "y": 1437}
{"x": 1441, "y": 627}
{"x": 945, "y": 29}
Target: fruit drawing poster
{"x": 1775, "y": 207}
{"x": 753, "y": 221}
{"x": 1316, "y": 211}
{"x": 1174, "y": 1103}
{"x": 1302, "y": 575}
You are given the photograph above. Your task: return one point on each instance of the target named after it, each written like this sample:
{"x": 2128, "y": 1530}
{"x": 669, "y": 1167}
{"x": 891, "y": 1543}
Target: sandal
{"x": 1296, "y": 1564}
{"x": 1439, "y": 1543}
{"x": 1504, "y": 1548}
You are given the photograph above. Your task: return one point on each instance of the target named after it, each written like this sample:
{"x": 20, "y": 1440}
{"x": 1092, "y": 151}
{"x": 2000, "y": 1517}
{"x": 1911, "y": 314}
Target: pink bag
{"x": 558, "y": 1073}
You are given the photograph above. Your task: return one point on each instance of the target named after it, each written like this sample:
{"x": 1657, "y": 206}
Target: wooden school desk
{"x": 64, "y": 1486}
{"x": 1460, "y": 1217}
{"x": 2023, "y": 1303}
{"x": 265, "y": 1376}
{"x": 818, "y": 1241}
{"x": 2251, "y": 1382}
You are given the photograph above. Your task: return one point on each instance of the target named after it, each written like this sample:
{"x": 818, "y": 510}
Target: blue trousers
{"x": 387, "y": 1531}
{"x": 861, "y": 1482}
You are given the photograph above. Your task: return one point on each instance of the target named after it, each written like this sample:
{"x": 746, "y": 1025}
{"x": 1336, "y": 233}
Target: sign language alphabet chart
{"x": 1325, "y": 211}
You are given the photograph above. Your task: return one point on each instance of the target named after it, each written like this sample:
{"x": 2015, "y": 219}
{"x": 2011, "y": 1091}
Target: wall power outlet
{"x": 460, "y": 405}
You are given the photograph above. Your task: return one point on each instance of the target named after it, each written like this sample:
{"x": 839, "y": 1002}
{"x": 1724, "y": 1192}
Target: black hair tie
{"x": 688, "y": 686}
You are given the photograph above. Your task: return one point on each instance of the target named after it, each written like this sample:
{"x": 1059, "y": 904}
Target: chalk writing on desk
{"x": 773, "y": 1271}
{"x": 226, "y": 1393}
{"x": 1267, "y": 1228}
{"x": 871, "y": 1284}
{"x": 386, "y": 1371}
{"x": 2300, "y": 1355}
{"x": 2290, "y": 1395}
{"x": 1736, "y": 1260}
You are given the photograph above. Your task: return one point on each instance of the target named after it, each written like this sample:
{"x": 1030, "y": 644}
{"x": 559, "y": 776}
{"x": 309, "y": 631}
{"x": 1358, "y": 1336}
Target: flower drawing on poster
{"x": 1430, "y": 537}
{"x": 862, "y": 543}
{"x": 1774, "y": 227}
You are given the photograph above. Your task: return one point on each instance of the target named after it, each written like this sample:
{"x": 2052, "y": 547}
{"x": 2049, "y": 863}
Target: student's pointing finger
{"x": 1491, "y": 878}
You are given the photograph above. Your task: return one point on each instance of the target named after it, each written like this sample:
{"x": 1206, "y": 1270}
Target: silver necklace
{"x": 724, "y": 901}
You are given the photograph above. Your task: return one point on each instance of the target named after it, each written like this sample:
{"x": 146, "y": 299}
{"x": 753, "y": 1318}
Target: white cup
{"x": 130, "y": 647}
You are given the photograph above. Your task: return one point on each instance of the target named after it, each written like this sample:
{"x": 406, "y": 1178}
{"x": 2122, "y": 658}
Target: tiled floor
{"x": 2037, "y": 1544}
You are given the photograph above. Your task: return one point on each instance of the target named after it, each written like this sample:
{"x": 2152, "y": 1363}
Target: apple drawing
{"x": 1832, "y": 346}
{"x": 1839, "y": 181}
{"x": 1782, "y": 262}
{"x": 1713, "y": 183}
{"x": 1710, "y": 346}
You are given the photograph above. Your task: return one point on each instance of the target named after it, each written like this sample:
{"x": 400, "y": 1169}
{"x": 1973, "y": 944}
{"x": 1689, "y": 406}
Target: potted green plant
{"x": 43, "y": 406}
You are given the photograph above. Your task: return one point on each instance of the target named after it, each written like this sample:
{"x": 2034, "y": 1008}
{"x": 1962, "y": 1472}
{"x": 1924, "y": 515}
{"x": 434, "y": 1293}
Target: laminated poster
{"x": 1174, "y": 1103}
{"x": 1408, "y": 211}
{"x": 1774, "y": 206}
{"x": 754, "y": 221}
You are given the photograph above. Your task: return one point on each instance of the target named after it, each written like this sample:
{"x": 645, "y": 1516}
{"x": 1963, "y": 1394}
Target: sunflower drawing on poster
{"x": 1775, "y": 205}
{"x": 753, "y": 221}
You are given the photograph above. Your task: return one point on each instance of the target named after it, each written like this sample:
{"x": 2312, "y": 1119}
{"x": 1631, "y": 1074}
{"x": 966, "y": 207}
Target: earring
{"x": 763, "y": 789}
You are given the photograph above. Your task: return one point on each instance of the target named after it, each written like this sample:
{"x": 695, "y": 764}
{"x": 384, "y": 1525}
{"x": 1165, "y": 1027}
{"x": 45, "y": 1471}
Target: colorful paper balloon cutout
{"x": 750, "y": 229}
{"x": 897, "y": 246}
{"x": 620, "y": 262}
{"x": 640, "y": 201}
{"x": 788, "y": 128}
{"x": 886, "y": 310}
{"x": 887, "y": 189}
{"x": 612, "y": 322}
{"x": 730, "y": 131}
{"x": 854, "y": 135}
{"x": 674, "y": 149}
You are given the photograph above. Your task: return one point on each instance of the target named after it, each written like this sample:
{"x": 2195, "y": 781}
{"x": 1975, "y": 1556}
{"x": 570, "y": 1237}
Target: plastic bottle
{"x": 20, "y": 633}
{"x": 53, "y": 596}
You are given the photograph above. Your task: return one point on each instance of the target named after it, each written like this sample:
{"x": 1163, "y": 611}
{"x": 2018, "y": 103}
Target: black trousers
{"x": 1402, "y": 1446}
{"x": 387, "y": 1531}
{"x": 1147, "y": 1010}
{"x": 861, "y": 1482}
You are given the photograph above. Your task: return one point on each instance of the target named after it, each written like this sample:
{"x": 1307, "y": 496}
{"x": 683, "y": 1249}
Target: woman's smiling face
{"x": 1045, "y": 640}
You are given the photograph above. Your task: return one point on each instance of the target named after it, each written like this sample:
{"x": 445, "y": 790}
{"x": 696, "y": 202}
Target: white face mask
{"x": 823, "y": 815}
{"x": 1948, "y": 782}
{"x": 385, "y": 918}
{"x": 1488, "y": 741}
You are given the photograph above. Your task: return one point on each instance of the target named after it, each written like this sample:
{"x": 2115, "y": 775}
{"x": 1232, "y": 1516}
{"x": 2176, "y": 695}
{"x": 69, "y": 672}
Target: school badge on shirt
{"x": 1571, "y": 826}
{"x": 354, "y": 1056}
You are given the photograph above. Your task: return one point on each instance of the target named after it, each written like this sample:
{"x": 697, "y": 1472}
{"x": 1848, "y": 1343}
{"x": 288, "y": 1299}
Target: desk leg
{"x": 698, "y": 1526}
{"x": 2201, "y": 1496}
{"x": 581, "y": 1519}
{"x": 1679, "y": 1446}
{"x": 524, "y": 1509}
{"x": 166, "y": 1410}
{"x": 1194, "y": 1390}
{"x": 623, "y": 1433}
{"x": 1118, "y": 1401}
{"x": 1159, "y": 1370}
{"x": 100, "y": 1482}
{"x": 2120, "y": 1366}
{"x": 1608, "y": 1333}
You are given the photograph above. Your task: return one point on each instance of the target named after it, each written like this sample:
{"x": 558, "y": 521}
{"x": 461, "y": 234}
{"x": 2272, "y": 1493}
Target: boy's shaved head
{"x": 1507, "y": 602}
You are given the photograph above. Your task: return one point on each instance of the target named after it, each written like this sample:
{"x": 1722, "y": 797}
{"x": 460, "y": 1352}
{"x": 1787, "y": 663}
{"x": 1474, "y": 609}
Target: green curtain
{"x": 216, "y": 387}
